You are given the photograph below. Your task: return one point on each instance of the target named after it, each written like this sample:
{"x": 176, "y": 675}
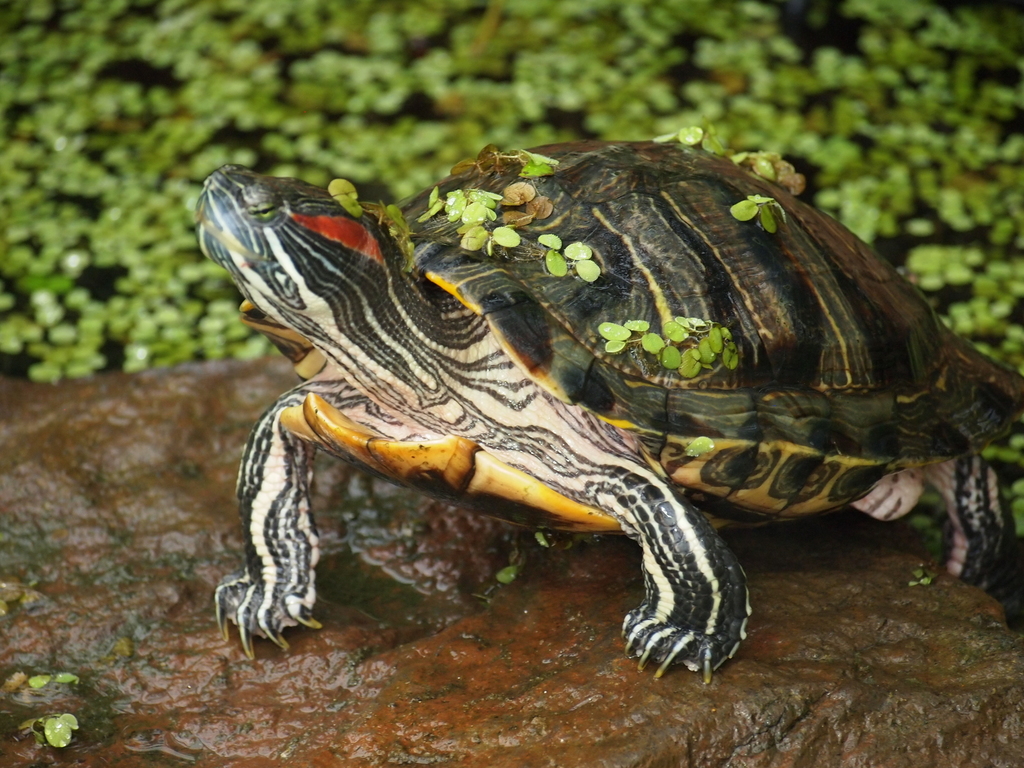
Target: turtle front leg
{"x": 981, "y": 541}
{"x": 696, "y": 608}
{"x": 275, "y": 588}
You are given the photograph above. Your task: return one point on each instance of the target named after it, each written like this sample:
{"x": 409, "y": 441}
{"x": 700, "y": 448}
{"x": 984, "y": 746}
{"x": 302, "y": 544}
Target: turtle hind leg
{"x": 695, "y": 607}
{"x": 980, "y": 536}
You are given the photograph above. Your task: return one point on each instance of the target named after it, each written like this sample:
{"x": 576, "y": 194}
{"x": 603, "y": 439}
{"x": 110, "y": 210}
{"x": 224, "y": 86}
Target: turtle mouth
{"x": 216, "y": 240}
{"x": 231, "y": 249}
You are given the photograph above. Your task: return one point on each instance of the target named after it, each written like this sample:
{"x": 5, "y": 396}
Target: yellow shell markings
{"x": 660, "y": 301}
{"x": 757, "y": 497}
{"x": 453, "y": 289}
{"x": 462, "y": 464}
{"x": 840, "y": 360}
{"x": 830, "y": 287}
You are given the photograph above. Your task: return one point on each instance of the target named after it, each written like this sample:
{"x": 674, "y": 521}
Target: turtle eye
{"x": 260, "y": 200}
{"x": 262, "y": 210}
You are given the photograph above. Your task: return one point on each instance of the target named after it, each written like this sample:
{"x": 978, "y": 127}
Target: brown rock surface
{"x": 116, "y": 505}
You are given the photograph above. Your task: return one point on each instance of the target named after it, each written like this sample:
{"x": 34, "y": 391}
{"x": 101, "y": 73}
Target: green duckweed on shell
{"x": 690, "y": 363}
{"x": 506, "y": 236}
{"x": 671, "y": 358}
{"x": 652, "y": 342}
{"x": 674, "y": 331}
{"x": 578, "y": 251}
{"x": 699, "y": 446}
{"x": 556, "y": 264}
{"x": 588, "y": 270}
{"x": 344, "y": 191}
{"x": 474, "y": 238}
{"x": 614, "y": 331}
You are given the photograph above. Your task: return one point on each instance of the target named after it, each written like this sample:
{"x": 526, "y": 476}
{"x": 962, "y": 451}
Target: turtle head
{"x": 291, "y": 248}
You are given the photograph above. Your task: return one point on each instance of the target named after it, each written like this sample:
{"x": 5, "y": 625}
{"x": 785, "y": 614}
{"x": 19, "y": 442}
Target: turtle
{"x": 645, "y": 338}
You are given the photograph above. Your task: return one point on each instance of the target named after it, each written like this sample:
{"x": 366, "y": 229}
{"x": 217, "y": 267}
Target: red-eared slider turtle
{"x": 601, "y": 336}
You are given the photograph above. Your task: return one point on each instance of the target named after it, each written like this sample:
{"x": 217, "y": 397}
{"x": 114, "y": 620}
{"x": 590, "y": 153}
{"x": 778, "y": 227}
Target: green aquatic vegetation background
{"x": 906, "y": 117}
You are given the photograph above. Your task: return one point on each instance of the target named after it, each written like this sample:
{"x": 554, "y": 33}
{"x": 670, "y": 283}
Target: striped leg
{"x": 275, "y": 588}
{"x": 893, "y": 496}
{"x": 981, "y": 543}
{"x": 695, "y": 609}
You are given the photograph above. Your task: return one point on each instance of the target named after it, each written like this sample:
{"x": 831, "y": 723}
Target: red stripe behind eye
{"x": 342, "y": 230}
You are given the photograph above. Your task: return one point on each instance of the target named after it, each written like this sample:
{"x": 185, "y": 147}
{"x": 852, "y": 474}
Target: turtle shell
{"x": 843, "y": 373}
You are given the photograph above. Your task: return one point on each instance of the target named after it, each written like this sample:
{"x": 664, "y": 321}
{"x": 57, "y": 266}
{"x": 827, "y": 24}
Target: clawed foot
{"x": 652, "y": 640}
{"x": 242, "y": 600}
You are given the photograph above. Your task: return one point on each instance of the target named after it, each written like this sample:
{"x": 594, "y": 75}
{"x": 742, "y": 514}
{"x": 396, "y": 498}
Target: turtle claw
{"x": 246, "y": 637}
{"x": 651, "y": 639}
{"x": 222, "y": 620}
{"x": 240, "y": 599}
{"x": 277, "y": 639}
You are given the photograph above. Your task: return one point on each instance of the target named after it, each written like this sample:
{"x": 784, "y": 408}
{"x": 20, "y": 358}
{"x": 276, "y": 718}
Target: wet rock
{"x": 117, "y": 516}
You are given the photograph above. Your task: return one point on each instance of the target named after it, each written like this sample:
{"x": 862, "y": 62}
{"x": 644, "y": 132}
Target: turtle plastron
{"x": 452, "y": 468}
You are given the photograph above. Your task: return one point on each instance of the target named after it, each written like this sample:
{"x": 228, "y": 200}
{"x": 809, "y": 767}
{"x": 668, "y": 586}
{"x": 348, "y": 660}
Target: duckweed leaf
{"x": 671, "y": 358}
{"x": 508, "y": 574}
{"x": 652, "y": 342}
{"x": 614, "y": 331}
{"x": 674, "y": 331}
{"x": 59, "y": 730}
{"x": 699, "y": 446}
{"x": 691, "y": 136}
{"x": 342, "y": 187}
{"x": 474, "y": 238}
{"x": 506, "y": 236}
{"x": 704, "y": 350}
{"x": 555, "y": 263}
{"x": 578, "y": 251}
{"x": 588, "y": 270}
{"x": 715, "y": 340}
{"x": 744, "y": 210}
{"x": 540, "y": 207}
{"x": 434, "y": 205}
{"x": 477, "y": 213}
{"x": 344, "y": 192}
{"x": 518, "y": 193}
{"x": 730, "y": 356}
{"x": 537, "y": 165}
{"x": 765, "y": 168}
{"x": 689, "y": 365}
